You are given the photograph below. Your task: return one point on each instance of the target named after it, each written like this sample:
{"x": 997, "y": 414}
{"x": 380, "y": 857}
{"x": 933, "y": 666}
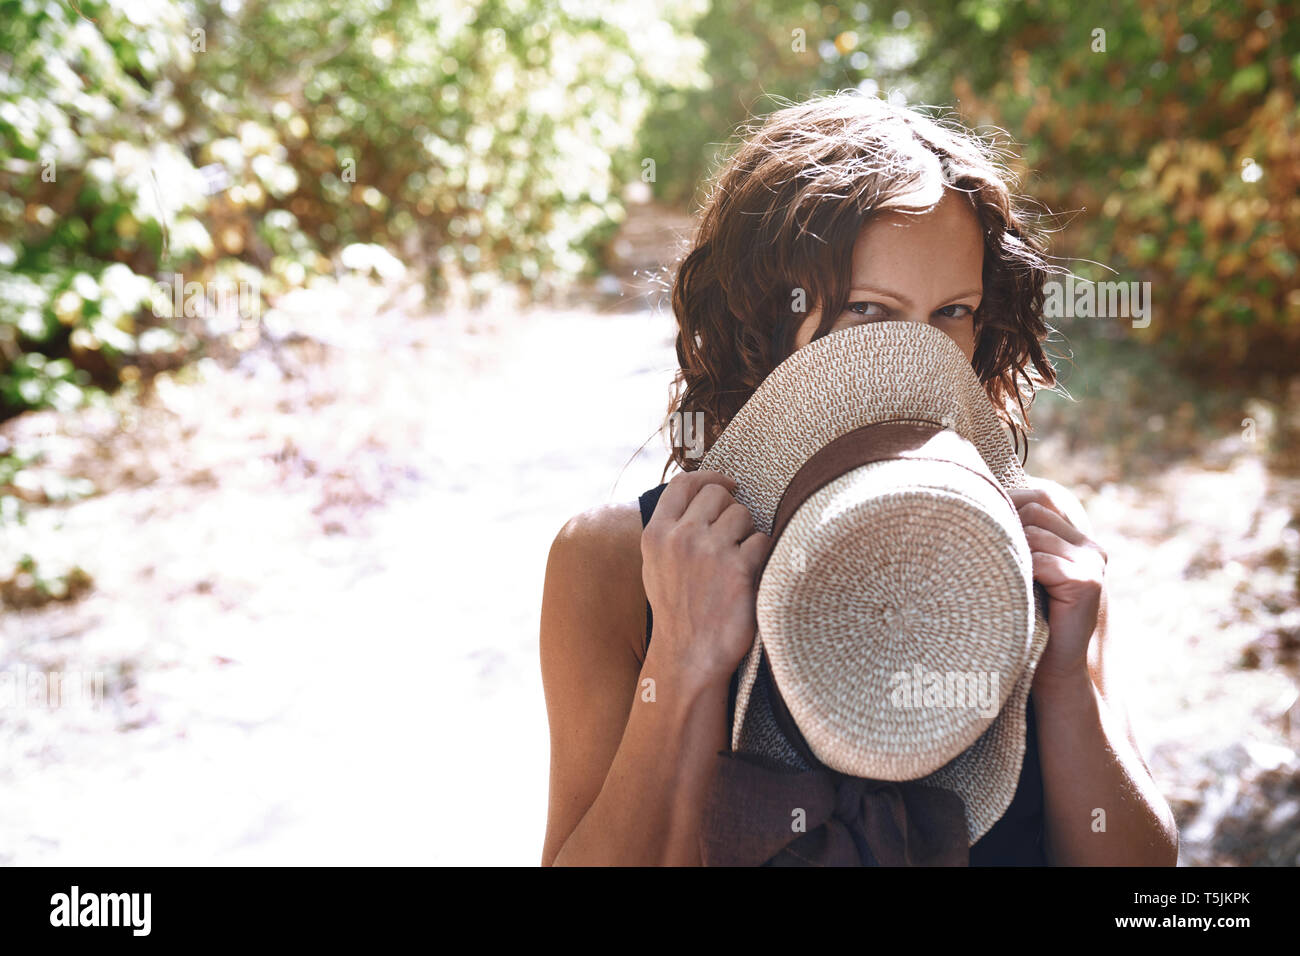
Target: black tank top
{"x": 1017, "y": 838}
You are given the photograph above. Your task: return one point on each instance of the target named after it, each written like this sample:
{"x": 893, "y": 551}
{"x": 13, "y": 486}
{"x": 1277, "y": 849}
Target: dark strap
{"x": 755, "y": 806}
{"x": 648, "y": 501}
{"x": 878, "y": 442}
{"x": 850, "y": 821}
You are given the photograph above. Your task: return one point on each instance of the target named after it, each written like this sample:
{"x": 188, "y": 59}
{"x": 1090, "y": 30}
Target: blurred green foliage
{"x": 1174, "y": 129}
{"x": 1165, "y": 134}
{"x": 32, "y": 585}
{"x": 142, "y": 139}
{"x": 483, "y": 134}
{"x": 787, "y": 50}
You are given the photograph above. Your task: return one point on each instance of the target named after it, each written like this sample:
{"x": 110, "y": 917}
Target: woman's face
{"x": 923, "y": 267}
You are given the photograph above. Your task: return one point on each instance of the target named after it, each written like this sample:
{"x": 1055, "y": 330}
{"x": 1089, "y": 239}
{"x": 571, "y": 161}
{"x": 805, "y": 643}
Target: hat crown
{"x": 896, "y": 611}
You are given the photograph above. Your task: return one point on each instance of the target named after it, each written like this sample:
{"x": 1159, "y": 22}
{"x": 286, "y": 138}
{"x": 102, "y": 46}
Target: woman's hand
{"x": 700, "y": 557}
{"x": 1072, "y": 567}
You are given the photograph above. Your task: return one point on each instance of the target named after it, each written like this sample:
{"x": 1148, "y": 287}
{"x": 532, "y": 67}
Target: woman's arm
{"x": 633, "y": 746}
{"x": 610, "y": 800}
{"x": 1101, "y": 804}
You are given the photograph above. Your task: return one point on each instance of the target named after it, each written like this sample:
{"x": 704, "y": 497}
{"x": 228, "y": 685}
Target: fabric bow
{"x": 751, "y": 818}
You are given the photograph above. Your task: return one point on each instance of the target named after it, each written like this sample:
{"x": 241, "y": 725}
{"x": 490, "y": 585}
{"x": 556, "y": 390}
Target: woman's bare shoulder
{"x": 606, "y": 538}
{"x": 593, "y": 575}
{"x": 608, "y": 525}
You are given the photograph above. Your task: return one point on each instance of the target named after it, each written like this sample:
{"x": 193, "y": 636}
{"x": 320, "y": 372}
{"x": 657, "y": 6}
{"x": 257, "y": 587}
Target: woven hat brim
{"x": 879, "y": 372}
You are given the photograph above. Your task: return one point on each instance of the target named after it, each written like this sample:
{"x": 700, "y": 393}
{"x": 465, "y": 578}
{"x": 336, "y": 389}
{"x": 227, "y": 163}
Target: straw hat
{"x": 898, "y": 622}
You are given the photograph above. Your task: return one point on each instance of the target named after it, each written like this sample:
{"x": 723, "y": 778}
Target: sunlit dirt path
{"x": 318, "y": 575}
{"x": 316, "y": 595}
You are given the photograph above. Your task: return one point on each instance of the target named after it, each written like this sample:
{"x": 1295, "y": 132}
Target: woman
{"x": 837, "y": 211}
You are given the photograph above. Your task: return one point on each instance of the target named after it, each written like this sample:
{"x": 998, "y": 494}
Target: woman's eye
{"x": 861, "y": 308}
{"x": 947, "y": 312}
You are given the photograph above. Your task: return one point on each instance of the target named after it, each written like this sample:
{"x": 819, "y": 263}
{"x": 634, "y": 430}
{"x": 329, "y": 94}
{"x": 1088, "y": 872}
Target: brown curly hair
{"x": 784, "y": 212}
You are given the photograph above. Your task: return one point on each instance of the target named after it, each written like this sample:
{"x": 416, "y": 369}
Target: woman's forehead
{"x": 936, "y": 248}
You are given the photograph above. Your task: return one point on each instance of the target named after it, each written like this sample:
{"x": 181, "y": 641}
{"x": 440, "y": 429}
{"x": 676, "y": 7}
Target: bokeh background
{"x": 301, "y": 535}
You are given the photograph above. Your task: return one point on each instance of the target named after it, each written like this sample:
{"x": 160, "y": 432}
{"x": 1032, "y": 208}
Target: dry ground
{"x": 317, "y": 575}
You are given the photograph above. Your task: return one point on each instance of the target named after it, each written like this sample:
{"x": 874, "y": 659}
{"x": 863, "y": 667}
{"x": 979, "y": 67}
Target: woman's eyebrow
{"x": 908, "y": 302}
